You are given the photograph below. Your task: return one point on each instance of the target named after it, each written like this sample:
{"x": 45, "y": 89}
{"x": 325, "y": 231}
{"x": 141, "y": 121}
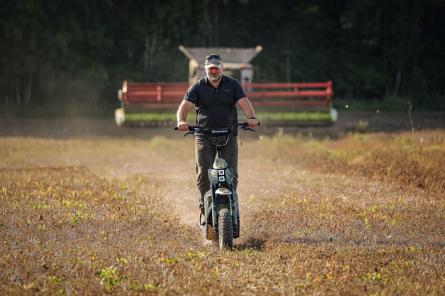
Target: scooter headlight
{"x": 216, "y": 176}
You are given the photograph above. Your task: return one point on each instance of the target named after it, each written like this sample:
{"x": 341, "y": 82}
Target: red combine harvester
{"x": 154, "y": 103}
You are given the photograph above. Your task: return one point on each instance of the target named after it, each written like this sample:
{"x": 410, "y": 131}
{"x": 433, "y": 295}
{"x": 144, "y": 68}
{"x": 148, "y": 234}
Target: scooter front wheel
{"x": 225, "y": 229}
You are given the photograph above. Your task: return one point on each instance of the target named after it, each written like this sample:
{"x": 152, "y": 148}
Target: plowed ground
{"x": 360, "y": 215}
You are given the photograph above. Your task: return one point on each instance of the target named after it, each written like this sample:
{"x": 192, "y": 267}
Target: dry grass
{"x": 364, "y": 215}
{"x": 65, "y": 229}
{"x": 415, "y": 159}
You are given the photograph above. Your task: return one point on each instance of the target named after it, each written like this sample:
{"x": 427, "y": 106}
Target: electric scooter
{"x": 221, "y": 219}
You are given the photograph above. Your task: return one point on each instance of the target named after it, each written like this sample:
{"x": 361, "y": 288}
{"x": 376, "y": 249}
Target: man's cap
{"x": 213, "y": 60}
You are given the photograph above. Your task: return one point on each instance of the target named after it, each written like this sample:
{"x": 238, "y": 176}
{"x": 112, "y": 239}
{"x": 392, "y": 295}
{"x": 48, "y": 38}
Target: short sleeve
{"x": 238, "y": 92}
{"x": 192, "y": 94}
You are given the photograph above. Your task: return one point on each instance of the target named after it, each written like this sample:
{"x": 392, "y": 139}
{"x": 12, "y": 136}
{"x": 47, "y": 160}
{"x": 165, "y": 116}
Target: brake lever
{"x": 187, "y": 133}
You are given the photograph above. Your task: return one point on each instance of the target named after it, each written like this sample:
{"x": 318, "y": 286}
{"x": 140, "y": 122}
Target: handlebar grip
{"x": 176, "y": 128}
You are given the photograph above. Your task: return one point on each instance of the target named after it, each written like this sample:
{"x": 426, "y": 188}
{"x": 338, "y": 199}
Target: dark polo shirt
{"x": 215, "y": 107}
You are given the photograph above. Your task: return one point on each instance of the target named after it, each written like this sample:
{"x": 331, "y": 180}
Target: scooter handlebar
{"x": 245, "y": 126}
{"x": 193, "y": 128}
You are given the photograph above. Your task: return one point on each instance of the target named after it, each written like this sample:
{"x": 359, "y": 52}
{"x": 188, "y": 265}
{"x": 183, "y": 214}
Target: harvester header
{"x": 155, "y": 103}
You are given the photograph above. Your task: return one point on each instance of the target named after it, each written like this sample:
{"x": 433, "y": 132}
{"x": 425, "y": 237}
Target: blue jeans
{"x": 205, "y": 156}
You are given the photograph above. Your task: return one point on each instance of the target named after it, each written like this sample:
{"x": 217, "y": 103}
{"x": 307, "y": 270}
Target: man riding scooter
{"x": 215, "y": 98}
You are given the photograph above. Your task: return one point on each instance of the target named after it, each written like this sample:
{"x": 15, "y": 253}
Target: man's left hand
{"x": 252, "y": 122}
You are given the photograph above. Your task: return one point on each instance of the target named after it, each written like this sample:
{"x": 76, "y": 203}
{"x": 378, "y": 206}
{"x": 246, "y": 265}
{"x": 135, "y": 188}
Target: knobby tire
{"x": 225, "y": 229}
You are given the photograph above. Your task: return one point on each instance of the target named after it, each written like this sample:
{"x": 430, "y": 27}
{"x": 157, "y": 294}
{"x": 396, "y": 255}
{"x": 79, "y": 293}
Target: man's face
{"x": 214, "y": 73}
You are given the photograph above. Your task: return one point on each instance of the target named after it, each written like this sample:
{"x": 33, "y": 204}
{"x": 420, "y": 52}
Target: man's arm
{"x": 181, "y": 114}
{"x": 247, "y": 108}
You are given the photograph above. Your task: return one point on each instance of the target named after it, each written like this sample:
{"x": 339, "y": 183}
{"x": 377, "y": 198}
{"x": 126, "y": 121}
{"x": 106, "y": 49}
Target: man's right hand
{"x": 183, "y": 126}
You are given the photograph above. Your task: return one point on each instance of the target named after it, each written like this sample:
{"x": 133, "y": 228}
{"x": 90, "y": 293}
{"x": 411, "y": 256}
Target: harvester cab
{"x": 236, "y": 61}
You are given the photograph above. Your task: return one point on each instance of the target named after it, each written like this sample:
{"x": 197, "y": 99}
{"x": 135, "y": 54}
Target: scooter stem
{"x": 218, "y": 151}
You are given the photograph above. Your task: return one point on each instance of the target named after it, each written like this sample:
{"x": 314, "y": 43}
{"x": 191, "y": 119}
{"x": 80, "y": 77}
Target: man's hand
{"x": 252, "y": 122}
{"x": 183, "y": 126}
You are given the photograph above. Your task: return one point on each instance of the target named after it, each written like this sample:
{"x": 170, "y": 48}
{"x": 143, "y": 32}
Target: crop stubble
{"x": 360, "y": 215}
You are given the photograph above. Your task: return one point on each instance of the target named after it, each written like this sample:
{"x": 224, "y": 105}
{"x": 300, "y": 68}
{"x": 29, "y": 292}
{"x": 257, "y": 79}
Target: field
{"x": 94, "y": 212}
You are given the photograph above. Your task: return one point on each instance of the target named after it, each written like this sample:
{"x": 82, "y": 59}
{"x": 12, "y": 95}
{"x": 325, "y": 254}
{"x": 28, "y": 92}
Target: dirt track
{"x": 328, "y": 231}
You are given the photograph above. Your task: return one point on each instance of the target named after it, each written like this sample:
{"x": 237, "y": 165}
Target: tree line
{"x": 82, "y": 50}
